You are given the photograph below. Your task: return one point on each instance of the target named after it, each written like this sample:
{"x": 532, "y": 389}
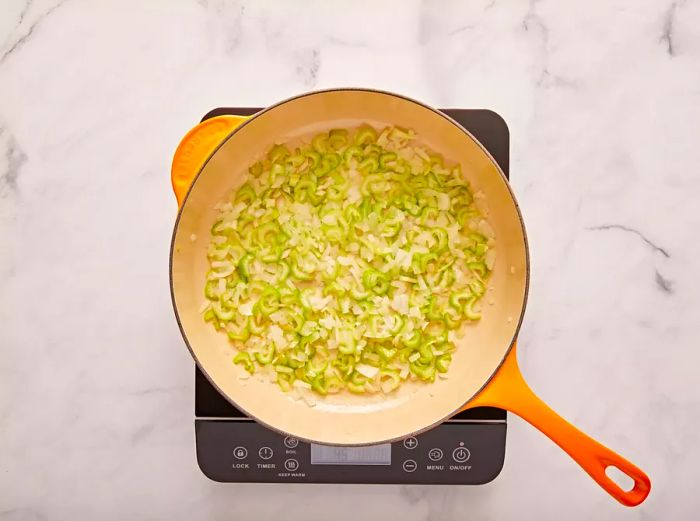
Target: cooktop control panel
{"x": 452, "y": 453}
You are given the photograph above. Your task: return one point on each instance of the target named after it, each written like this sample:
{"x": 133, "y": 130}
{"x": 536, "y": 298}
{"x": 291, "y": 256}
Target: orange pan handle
{"x": 508, "y": 390}
{"x": 196, "y": 147}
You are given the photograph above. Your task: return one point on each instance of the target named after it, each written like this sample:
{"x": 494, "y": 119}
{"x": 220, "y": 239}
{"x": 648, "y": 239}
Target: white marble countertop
{"x": 96, "y": 388}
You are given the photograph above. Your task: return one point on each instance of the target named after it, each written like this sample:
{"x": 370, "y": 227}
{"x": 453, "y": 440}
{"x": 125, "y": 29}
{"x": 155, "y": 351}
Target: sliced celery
{"x": 348, "y": 263}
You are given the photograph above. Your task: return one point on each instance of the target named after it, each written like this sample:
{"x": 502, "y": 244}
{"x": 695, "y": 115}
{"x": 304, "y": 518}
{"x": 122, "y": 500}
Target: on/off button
{"x": 461, "y": 454}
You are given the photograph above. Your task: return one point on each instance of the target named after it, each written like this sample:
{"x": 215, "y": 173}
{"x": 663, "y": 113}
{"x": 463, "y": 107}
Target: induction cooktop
{"x": 467, "y": 449}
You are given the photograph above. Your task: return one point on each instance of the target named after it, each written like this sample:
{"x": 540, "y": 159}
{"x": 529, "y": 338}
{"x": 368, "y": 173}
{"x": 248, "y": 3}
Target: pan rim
{"x": 469, "y": 135}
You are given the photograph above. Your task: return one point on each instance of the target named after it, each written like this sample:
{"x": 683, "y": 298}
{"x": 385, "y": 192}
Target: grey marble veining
{"x": 603, "y": 103}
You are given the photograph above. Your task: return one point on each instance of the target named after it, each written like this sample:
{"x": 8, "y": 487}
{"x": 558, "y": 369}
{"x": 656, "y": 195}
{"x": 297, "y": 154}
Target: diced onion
{"x": 367, "y": 370}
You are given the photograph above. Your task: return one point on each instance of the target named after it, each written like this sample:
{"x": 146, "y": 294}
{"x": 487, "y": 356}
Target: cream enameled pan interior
{"x": 350, "y": 419}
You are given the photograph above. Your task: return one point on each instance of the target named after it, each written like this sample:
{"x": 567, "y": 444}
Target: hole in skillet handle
{"x": 623, "y": 480}
{"x": 618, "y": 477}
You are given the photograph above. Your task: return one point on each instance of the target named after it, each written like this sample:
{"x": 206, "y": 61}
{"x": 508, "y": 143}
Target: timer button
{"x": 265, "y": 453}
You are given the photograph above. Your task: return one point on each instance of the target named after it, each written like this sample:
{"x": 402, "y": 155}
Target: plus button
{"x": 410, "y": 443}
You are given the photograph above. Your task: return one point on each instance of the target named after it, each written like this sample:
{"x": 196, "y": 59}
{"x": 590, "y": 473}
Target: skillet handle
{"x": 196, "y": 147}
{"x": 508, "y": 390}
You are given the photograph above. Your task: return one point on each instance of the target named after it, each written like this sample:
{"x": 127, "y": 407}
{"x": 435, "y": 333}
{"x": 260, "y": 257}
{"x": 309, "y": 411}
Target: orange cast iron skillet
{"x": 213, "y": 159}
